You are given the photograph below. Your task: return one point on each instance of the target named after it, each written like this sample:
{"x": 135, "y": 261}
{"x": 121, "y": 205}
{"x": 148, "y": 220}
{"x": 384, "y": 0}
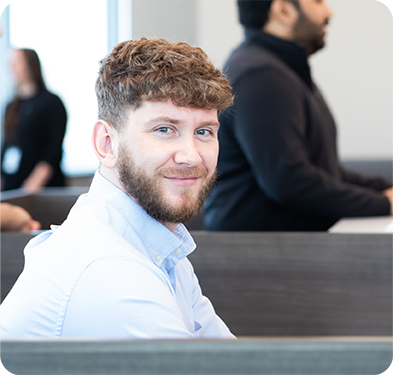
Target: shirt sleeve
{"x": 116, "y": 297}
{"x": 375, "y": 183}
{"x": 270, "y": 126}
{"x": 55, "y": 127}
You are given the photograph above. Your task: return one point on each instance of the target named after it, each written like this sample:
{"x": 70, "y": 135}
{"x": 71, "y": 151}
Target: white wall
{"x": 218, "y": 28}
{"x": 211, "y": 24}
{"x": 173, "y": 20}
{"x": 355, "y": 73}
{"x": 354, "y": 70}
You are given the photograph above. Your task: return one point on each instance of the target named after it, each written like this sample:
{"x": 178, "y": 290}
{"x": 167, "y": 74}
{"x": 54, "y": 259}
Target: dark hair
{"x": 34, "y": 65}
{"x": 255, "y": 13}
{"x": 12, "y": 112}
{"x": 157, "y": 70}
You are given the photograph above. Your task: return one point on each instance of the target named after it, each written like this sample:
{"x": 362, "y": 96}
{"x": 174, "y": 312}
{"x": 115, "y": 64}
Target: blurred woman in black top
{"x": 34, "y": 129}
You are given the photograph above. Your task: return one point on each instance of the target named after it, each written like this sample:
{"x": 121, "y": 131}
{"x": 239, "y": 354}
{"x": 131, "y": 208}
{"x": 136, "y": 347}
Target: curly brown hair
{"x": 157, "y": 70}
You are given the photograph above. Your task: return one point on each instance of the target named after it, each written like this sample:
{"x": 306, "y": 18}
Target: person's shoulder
{"x": 83, "y": 239}
{"x": 50, "y": 98}
{"x": 250, "y": 57}
{"x": 90, "y": 237}
{"x": 250, "y": 53}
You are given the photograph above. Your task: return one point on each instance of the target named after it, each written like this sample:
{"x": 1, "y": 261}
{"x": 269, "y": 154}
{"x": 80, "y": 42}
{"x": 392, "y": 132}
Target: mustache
{"x": 184, "y": 172}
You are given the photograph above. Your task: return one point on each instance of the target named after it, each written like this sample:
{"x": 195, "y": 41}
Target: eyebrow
{"x": 175, "y": 121}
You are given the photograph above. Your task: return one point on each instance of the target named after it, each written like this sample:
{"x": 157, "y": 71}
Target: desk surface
{"x": 377, "y": 224}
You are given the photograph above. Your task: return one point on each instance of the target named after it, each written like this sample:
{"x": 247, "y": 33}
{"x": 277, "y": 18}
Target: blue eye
{"x": 164, "y": 129}
{"x": 203, "y": 132}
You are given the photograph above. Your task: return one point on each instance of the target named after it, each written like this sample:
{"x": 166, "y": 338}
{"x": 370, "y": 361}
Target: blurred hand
{"x": 16, "y": 219}
{"x": 389, "y": 194}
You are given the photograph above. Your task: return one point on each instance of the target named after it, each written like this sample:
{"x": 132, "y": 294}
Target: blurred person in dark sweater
{"x": 278, "y": 168}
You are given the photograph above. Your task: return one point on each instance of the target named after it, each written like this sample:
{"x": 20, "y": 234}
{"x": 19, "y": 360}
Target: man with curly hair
{"x": 118, "y": 267}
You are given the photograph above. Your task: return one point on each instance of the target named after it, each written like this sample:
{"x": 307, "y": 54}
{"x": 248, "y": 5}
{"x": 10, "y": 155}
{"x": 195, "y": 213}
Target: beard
{"x": 147, "y": 192}
{"x": 309, "y": 34}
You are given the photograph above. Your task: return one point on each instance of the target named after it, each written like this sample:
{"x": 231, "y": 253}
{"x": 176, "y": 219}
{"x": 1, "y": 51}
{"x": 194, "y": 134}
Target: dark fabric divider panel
{"x": 291, "y": 284}
{"x": 197, "y": 357}
{"x": 197, "y": 223}
{"x": 49, "y": 206}
{"x": 12, "y": 259}
{"x": 79, "y": 180}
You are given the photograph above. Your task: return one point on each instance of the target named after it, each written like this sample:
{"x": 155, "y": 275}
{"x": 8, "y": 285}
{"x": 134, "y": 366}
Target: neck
{"x": 111, "y": 175}
{"x": 170, "y": 226}
{"x": 287, "y": 37}
{"x": 278, "y": 30}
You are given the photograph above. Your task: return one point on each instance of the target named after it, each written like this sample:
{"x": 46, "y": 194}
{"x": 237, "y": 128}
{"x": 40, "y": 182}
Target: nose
{"x": 187, "y": 153}
{"x": 329, "y": 11}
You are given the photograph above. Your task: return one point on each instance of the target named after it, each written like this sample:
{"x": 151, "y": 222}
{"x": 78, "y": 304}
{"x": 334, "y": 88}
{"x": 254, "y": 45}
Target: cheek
{"x": 152, "y": 158}
{"x": 318, "y": 17}
{"x": 15, "y": 68}
{"x": 210, "y": 157}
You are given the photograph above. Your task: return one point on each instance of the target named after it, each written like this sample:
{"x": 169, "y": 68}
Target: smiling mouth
{"x": 181, "y": 177}
{"x": 183, "y": 180}
{"x": 183, "y": 174}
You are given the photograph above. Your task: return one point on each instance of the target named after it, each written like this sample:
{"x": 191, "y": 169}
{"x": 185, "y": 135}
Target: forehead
{"x": 18, "y": 55}
{"x": 150, "y": 112}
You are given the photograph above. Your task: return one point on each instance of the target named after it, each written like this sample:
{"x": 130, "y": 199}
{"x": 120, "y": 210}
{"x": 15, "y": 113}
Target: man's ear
{"x": 105, "y": 143}
{"x": 284, "y": 12}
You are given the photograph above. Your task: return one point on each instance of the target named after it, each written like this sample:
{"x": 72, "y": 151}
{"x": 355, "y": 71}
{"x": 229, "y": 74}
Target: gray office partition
{"x": 12, "y": 259}
{"x": 365, "y": 356}
{"x": 296, "y": 284}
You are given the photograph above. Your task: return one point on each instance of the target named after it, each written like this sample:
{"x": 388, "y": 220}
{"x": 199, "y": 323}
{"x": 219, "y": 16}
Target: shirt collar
{"x": 137, "y": 227}
{"x": 291, "y": 53}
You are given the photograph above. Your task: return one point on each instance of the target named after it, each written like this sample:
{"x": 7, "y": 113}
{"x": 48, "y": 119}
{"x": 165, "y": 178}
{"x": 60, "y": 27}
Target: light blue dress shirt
{"x": 109, "y": 271}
